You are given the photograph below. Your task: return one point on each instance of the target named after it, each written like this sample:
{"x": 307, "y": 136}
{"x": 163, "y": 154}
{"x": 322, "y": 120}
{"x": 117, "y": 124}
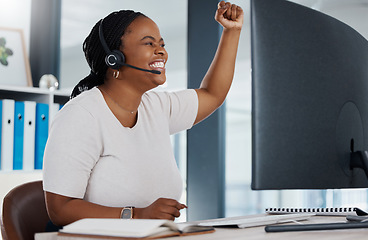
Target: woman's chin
{"x": 160, "y": 79}
{"x": 161, "y": 83}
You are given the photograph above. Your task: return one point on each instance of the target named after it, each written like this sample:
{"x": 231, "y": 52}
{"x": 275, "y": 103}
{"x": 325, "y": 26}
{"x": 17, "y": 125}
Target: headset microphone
{"x": 115, "y": 59}
{"x": 142, "y": 69}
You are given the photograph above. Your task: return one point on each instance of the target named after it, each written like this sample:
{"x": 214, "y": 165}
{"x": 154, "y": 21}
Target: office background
{"x": 78, "y": 17}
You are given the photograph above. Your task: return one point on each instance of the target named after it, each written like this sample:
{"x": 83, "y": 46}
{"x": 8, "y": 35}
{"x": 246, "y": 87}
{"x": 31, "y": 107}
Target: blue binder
{"x": 41, "y": 132}
{"x": 18, "y": 135}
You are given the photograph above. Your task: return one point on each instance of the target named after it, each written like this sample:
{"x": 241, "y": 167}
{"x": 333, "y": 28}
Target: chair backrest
{"x": 24, "y": 212}
{"x": 2, "y": 229}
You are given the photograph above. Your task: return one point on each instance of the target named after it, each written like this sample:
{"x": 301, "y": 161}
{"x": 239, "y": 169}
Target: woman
{"x": 109, "y": 154}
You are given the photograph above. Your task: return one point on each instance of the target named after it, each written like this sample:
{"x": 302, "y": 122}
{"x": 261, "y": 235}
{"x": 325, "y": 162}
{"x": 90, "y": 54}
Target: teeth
{"x": 157, "y": 65}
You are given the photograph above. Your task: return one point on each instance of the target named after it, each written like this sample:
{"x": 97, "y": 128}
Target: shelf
{"x": 11, "y": 179}
{"x": 33, "y": 94}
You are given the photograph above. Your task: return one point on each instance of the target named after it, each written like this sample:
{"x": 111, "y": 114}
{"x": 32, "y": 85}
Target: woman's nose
{"x": 161, "y": 51}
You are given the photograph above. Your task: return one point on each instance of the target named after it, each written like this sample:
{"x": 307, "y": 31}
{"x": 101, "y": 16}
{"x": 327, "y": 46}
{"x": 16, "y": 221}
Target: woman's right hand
{"x": 162, "y": 208}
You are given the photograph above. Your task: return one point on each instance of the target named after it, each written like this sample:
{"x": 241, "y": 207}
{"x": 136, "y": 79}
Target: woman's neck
{"x": 123, "y": 96}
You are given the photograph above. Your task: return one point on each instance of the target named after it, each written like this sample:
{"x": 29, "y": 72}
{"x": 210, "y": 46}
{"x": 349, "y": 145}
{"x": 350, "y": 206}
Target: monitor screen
{"x": 309, "y": 99}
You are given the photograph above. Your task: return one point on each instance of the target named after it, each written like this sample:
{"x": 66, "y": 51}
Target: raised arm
{"x": 217, "y": 81}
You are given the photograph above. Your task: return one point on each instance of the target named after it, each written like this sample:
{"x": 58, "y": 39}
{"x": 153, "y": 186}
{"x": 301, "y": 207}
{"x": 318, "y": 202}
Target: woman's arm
{"x": 217, "y": 81}
{"x": 63, "y": 210}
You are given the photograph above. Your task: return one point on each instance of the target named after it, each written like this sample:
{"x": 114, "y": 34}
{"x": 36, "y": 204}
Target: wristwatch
{"x": 127, "y": 213}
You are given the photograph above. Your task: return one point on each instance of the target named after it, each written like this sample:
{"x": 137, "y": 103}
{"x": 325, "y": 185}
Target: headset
{"x": 115, "y": 59}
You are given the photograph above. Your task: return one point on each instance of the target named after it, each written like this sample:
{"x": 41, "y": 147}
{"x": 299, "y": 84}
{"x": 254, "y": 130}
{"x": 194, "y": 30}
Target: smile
{"x": 157, "y": 65}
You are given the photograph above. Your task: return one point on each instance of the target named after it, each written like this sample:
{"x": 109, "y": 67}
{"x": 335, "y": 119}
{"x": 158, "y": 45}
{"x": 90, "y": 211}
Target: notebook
{"x": 342, "y": 211}
{"x": 130, "y": 228}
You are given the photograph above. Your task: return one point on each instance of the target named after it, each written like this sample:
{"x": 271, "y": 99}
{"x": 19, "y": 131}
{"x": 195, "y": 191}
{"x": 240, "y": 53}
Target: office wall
{"x": 16, "y": 14}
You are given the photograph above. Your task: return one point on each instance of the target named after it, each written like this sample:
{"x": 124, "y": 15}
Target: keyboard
{"x": 342, "y": 211}
{"x": 253, "y": 221}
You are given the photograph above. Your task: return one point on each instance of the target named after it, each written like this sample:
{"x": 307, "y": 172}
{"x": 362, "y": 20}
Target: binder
{"x": 18, "y": 135}
{"x": 7, "y": 134}
{"x": 41, "y": 132}
{"x": 29, "y": 135}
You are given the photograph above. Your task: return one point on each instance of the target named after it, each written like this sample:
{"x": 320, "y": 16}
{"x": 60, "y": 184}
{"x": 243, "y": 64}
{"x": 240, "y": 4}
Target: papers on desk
{"x": 131, "y": 228}
{"x": 253, "y": 221}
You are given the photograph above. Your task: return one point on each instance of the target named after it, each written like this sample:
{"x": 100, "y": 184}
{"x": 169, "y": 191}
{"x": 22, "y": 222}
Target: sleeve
{"x": 72, "y": 150}
{"x": 183, "y": 109}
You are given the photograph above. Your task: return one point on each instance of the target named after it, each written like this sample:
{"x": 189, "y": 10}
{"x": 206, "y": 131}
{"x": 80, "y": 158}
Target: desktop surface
{"x": 258, "y": 233}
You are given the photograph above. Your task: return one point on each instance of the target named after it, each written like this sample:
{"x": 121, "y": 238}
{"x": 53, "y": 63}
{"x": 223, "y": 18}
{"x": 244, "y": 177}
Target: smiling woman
{"x": 144, "y": 47}
{"x": 109, "y": 152}
{"x": 75, "y": 26}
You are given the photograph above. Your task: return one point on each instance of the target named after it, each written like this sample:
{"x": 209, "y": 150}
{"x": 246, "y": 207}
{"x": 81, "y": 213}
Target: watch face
{"x": 127, "y": 213}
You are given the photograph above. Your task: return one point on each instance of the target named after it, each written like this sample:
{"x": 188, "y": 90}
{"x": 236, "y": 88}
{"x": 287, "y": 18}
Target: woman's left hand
{"x": 230, "y": 16}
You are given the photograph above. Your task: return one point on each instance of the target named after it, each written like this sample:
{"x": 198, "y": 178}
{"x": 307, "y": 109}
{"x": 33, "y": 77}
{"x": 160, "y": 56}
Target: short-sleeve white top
{"x": 91, "y": 156}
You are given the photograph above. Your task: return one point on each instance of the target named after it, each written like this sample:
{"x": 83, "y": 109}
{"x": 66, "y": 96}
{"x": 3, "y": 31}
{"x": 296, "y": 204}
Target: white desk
{"x": 257, "y": 233}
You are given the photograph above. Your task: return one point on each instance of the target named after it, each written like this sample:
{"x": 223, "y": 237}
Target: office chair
{"x": 24, "y": 212}
{"x": 2, "y": 228}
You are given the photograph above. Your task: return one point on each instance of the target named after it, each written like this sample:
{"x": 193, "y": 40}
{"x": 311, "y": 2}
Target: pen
{"x": 314, "y": 227}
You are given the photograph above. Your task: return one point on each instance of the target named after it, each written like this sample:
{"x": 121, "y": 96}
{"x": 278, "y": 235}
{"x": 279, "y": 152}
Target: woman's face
{"x": 143, "y": 47}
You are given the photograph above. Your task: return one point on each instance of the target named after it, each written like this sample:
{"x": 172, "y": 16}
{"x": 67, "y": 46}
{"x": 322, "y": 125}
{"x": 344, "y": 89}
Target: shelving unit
{"x": 34, "y": 94}
{"x": 10, "y": 179}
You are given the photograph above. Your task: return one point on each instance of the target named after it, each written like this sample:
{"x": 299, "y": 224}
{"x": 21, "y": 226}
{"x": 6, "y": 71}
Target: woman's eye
{"x": 153, "y": 44}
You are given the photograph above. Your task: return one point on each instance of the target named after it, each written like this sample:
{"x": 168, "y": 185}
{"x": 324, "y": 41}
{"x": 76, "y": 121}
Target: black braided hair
{"x": 114, "y": 26}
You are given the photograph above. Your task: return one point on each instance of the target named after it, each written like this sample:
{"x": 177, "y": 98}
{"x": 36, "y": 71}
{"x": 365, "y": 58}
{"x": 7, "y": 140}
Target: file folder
{"x": 29, "y": 135}
{"x": 18, "y": 135}
{"x": 7, "y": 134}
{"x": 41, "y": 132}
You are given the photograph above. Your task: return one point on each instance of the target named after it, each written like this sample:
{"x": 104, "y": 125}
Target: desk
{"x": 257, "y": 233}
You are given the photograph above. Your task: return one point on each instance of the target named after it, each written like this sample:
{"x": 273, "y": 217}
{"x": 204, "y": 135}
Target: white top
{"x": 90, "y": 155}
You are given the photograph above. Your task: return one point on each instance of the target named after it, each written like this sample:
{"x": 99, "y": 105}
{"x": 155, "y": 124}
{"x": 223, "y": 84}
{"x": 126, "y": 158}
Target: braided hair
{"x": 114, "y": 26}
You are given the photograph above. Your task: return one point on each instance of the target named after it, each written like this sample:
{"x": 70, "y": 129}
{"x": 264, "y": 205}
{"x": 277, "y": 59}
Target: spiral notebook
{"x": 342, "y": 211}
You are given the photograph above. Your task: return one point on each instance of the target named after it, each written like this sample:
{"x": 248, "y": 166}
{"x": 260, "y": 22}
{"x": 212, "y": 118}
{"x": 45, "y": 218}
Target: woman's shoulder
{"x": 87, "y": 99}
{"x": 156, "y": 95}
{"x": 166, "y": 101}
{"x": 86, "y": 103}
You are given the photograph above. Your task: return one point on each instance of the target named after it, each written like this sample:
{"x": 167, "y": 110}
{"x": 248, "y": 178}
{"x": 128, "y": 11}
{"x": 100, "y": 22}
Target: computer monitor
{"x": 309, "y": 99}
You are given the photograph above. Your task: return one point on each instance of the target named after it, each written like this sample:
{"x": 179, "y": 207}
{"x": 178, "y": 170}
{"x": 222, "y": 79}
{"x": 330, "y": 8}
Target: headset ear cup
{"x": 121, "y": 58}
{"x": 115, "y": 59}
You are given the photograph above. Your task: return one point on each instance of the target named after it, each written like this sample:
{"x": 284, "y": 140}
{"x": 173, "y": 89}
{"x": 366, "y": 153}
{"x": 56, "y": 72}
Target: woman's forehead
{"x": 142, "y": 27}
